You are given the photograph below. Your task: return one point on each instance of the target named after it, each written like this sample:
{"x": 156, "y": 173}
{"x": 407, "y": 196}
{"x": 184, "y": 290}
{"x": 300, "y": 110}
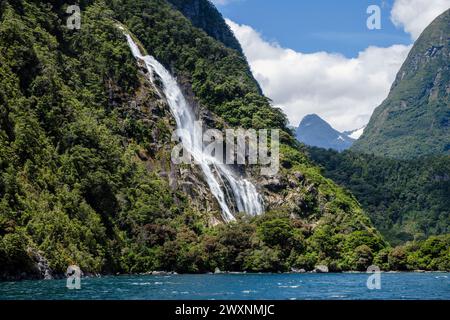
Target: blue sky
{"x": 319, "y": 25}
{"x": 318, "y": 56}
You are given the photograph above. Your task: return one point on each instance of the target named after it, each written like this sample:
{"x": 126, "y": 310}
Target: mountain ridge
{"x": 204, "y": 15}
{"x": 414, "y": 120}
{"x": 314, "y": 131}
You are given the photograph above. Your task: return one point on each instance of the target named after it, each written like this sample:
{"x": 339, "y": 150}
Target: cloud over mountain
{"x": 344, "y": 91}
{"x": 415, "y": 15}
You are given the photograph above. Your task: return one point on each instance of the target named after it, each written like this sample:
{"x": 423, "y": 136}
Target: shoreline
{"x": 172, "y": 273}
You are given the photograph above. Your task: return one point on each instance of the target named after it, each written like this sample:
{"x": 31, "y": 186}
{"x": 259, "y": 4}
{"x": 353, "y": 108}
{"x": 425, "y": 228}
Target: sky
{"x": 320, "y": 57}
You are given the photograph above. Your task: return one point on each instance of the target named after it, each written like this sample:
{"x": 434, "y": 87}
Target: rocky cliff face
{"x": 414, "y": 120}
{"x": 205, "y": 16}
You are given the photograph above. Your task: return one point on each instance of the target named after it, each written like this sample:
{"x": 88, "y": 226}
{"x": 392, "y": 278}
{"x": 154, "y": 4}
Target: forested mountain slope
{"x": 414, "y": 120}
{"x": 85, "y": 140}
{"x": 399, "y": 170}
{"x": 406, "y": 199}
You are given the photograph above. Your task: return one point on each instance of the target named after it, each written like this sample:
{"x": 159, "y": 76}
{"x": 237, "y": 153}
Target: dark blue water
{"x": 240, "y": 286}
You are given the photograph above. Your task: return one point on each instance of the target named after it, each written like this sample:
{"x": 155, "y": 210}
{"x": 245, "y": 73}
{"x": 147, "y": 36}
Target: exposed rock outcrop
{"x": 321, "y": 269}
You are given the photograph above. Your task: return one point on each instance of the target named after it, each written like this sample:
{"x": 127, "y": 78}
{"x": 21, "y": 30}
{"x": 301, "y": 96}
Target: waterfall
{"x": 244, "y": 194}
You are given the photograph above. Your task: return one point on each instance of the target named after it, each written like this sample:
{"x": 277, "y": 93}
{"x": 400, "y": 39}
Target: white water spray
{"x": 245, "y": 196}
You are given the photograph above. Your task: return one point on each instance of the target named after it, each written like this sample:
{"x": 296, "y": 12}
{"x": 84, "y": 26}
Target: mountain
{"x": 86, "y": 175}
{"x": 414, "y": 120}
{"x": 204, "y": 15}
{"x": 314, "y": 131}
{"x": 399, "y": 170}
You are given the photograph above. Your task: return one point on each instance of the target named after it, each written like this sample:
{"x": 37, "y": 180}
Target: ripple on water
{"x": 249, "y": 291}
{"x": 284, "y": 287}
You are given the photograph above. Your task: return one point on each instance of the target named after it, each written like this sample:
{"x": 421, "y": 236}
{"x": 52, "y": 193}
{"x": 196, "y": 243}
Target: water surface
{"x": 348, "y": 286}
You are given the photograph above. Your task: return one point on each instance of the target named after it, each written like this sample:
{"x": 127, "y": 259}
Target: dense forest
{"x": 83, "y": 162}
{"x": 406, "y": 199}
{"x": 399, "y": 170}
{"x": 84, "y": 165}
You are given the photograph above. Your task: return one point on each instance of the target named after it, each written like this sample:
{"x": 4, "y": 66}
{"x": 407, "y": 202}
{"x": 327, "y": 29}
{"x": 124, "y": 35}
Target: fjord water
{"x": 244, "y": 194}
{"x": 345, "y": 286}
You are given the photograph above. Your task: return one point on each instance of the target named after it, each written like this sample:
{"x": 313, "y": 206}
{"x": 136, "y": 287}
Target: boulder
{"x": 321, "y": 269}
{"x": 274, "y": 184}
{"x": 295, "y": 270}
{"x": 300, "y": 176}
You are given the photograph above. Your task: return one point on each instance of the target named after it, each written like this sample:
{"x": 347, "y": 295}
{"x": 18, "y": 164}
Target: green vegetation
{"x": 220, "y": 77}
{"x": 430, "y": 254}
{"x": 414, "y": 121}
{"x": 406, "y": 199}
{"x": 399, "y": 170}
{"x": 83, "y": 170}
{"x": 67, "y": 184}
{"x": 273, "y": 242}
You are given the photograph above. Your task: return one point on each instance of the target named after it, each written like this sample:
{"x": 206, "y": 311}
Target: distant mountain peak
{"x": 313, "y": 116}
{"x": 314, "y": 131}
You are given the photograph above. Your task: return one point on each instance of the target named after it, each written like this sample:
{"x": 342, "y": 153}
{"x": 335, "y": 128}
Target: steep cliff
{"x": 205, "y": 16}
{"x": 414, "y": 120}
{"x": 85, "y": 139}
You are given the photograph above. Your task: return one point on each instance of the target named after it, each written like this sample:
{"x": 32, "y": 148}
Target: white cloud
{"x": 341, "y": 90}
{"x": 415, "y": 15}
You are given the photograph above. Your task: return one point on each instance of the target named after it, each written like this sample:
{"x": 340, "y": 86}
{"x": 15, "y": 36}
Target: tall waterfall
{"x": 244, "y": 194}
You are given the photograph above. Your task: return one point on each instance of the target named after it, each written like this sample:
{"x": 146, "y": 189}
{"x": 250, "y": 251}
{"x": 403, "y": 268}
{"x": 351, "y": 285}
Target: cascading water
{"x": 245, "y": 196}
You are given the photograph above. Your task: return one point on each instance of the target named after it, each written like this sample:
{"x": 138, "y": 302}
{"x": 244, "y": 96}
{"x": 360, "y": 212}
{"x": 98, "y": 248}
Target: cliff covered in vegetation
{"x": 406, "y": 199}
{"x": 414, "y": 120}
{"x": 85, "y": 170}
